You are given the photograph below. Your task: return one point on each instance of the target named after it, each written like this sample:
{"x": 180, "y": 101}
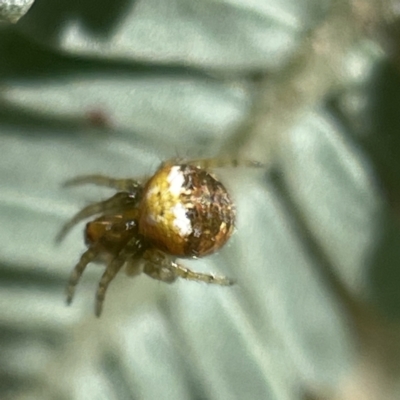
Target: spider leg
{"x": 123, "y": 185}
{"x": 87, "y": 257}
{"x": 159, "y": 272}
{"x": 109, "y": 274}
{"x": 186, "y": 273}
{"x": 133, "y": 267}
{"x": 159, "y": 266}
{"x": 219, "y": 162}
{"x": 119, "y": 200}
{"x": 111, "y": 271}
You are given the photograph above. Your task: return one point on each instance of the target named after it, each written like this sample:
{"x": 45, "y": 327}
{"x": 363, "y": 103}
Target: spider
{"x": 182, "y": 211}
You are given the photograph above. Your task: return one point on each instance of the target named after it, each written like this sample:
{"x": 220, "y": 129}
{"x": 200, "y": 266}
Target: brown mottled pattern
{"x": 212, "y": 212}
{"x": 208, "y": 207}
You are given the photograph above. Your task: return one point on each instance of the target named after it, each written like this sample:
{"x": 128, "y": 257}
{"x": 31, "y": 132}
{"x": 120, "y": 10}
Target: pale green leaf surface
{"x": 345, "y": 218}
{"x": 89, "y": 103}
{"x": 213, "y": 34}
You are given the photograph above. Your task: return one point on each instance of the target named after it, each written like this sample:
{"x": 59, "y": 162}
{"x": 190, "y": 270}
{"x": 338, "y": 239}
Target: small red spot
{"x": 98, "y": 118}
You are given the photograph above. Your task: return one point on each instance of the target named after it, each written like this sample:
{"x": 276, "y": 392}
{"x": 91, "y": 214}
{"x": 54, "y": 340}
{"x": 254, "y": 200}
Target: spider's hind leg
{"x": 157, "y": 266}
{"x": 123, "y": 185}
{"x": 161, "y": 267}
{"x": 186, "y": 273}
{"x": 222, "y": 162}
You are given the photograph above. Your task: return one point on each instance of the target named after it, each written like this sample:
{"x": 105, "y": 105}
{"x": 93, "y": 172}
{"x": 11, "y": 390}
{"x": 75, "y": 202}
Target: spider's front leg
{"x": 120, "y": 200}
{"x": 127, "y": 252}
{"x": 87, "y": 257}
{"x": 160, "y": 266}
{"x": 109, "y": 274}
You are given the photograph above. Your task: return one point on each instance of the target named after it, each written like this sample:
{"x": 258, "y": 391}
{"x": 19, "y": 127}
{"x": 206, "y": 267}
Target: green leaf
{"x": 116, "y": 87}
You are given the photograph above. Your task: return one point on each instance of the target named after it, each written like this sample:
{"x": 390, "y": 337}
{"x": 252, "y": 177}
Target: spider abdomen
{"x": 186, "y": 211}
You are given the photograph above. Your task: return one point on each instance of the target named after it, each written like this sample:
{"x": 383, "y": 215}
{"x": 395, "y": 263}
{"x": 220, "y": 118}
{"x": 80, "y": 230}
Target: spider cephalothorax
{"x": 181, "y": 211}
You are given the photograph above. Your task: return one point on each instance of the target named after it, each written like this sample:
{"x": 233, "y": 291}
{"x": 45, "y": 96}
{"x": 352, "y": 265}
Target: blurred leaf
{"x": 13, "y": 10}
{"x": 116, "y": 87}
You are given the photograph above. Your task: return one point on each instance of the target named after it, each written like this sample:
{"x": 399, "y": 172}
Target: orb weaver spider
{"x": 182, "y": 211}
